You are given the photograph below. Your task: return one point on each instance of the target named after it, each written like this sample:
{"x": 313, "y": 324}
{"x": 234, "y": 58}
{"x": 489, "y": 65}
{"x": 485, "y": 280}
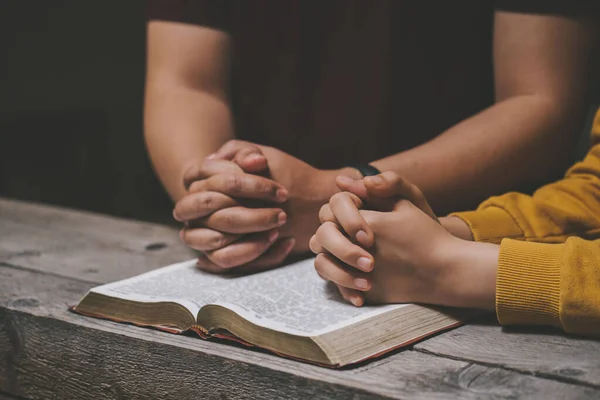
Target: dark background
{"x": 71, "y": 96}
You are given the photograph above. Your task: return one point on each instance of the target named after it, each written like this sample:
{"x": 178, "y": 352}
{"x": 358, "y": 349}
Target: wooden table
{"x": 50, "y": 257}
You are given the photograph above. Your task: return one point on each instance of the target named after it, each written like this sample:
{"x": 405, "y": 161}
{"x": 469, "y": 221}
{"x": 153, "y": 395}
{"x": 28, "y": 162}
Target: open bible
{"x": 289, "y": 311}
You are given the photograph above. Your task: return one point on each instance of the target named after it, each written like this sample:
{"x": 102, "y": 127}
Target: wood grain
{"x": 49, "y": 258}
{"x": 84, "y": 245}
{"x": 5, "y": 396}
{"x": 48, "y": 351}
{"x": 543, "y": 352}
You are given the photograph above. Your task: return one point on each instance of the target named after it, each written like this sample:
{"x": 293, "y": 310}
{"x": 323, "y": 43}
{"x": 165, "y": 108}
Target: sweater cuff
{"x": 490, "y": 224}
{"x": 528, "y": 283}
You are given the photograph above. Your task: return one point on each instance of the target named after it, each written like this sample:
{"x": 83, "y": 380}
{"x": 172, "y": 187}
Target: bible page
{"x": 295, "y": 300}
{"x": 179, "y": 283}
{"x": 291, "y": 299}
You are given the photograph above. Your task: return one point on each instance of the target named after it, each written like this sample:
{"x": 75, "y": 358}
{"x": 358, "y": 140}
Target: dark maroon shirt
{"x": 335, "y": 82}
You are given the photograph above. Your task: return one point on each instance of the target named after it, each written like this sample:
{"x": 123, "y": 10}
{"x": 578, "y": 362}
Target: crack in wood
{"x": 25, "y": 253}
{"x": 8, "y": 396}
{"x": 542, "y": 375}
{"x": 57, "y": 354}
{"x": 13, "y": 347}
{"x": 36, "y": 271}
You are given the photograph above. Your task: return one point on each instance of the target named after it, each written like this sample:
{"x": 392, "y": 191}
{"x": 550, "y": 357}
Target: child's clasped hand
{"x": 397, "y": 253}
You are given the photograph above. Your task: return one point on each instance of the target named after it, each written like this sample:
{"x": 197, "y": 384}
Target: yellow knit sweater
{"x": 549, "y": 264}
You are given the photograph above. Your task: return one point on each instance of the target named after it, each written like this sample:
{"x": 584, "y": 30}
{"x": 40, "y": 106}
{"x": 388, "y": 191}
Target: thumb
{"x": 245, "y": 154}
{"x": 207, "y": 168}
{"x": 347, "y": 184}
{"x": 372, "y": 200}
{"x": 251, "y": 159}
{"x": 389, "y": 184}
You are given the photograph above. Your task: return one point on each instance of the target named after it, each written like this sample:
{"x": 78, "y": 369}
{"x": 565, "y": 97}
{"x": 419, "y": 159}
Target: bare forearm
{"x": 516, "y": 142}
{"x": 182, "y": 126}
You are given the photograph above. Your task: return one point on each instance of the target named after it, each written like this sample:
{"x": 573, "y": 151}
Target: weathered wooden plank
{"x": 84, "y": 245}
{"x": 47, "y": 351}
{"x": 541, "y": 352}
{"x": 99, "y": 249}
{"x": 5, "y": 396}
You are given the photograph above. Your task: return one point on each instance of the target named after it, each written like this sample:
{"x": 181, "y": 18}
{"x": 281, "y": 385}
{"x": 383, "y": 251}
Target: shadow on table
{"x": 490, "y": 320}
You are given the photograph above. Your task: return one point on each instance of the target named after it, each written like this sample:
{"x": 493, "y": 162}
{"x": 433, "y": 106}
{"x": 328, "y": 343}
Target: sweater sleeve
{"x": 550, "y": 284}
{"x": 554, "y": 212}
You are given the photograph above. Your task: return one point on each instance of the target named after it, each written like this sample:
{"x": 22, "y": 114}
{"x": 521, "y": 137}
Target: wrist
{"x": 315, "y": 188}
{"x": 469, "y": 278}
{"x": 325, "y": 185}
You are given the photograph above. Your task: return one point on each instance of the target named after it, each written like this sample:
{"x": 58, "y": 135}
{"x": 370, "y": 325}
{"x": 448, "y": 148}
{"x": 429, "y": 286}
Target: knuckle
{"x": 324, "y": 213}
{"x": 401, "y": 180}
{"x": 177, "y": 209}
{"x": 325, "y": 230}
{"x": 258, "y": 247}
{"x": 328, "y": 226}
{"x": 207, "y": 201}
{"x": 195, "y": 186}
{"x": 218, "y": 240}
{"x": 356, "y": 200}
{"x": 203, "y": 168}
{"x": 229, "y": 144}
{"x": 320, "y": 259}
{"x": 392, "y": 176}
{"x": 189, "y": 239}
{"x": 353, "y": 226}
{"x": 227, "y": 220}
{"x": 348, "y": 253}
{"x": 233, "y": 182}
{"x": 320, "y": 233}
{"x": 313, "y": 244}
{"x": 247, "y": 151}
{"x": 319, "y": 263}
{"x": 337, "y": 198}
{"x": 261, "y": 186}
{"x": 272, "y": 217}
{"x": 224, "y": 259}
{"x": 204, "y": 202}
{"x": 269, "y": 219}
{"x": 193, "y": 170}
